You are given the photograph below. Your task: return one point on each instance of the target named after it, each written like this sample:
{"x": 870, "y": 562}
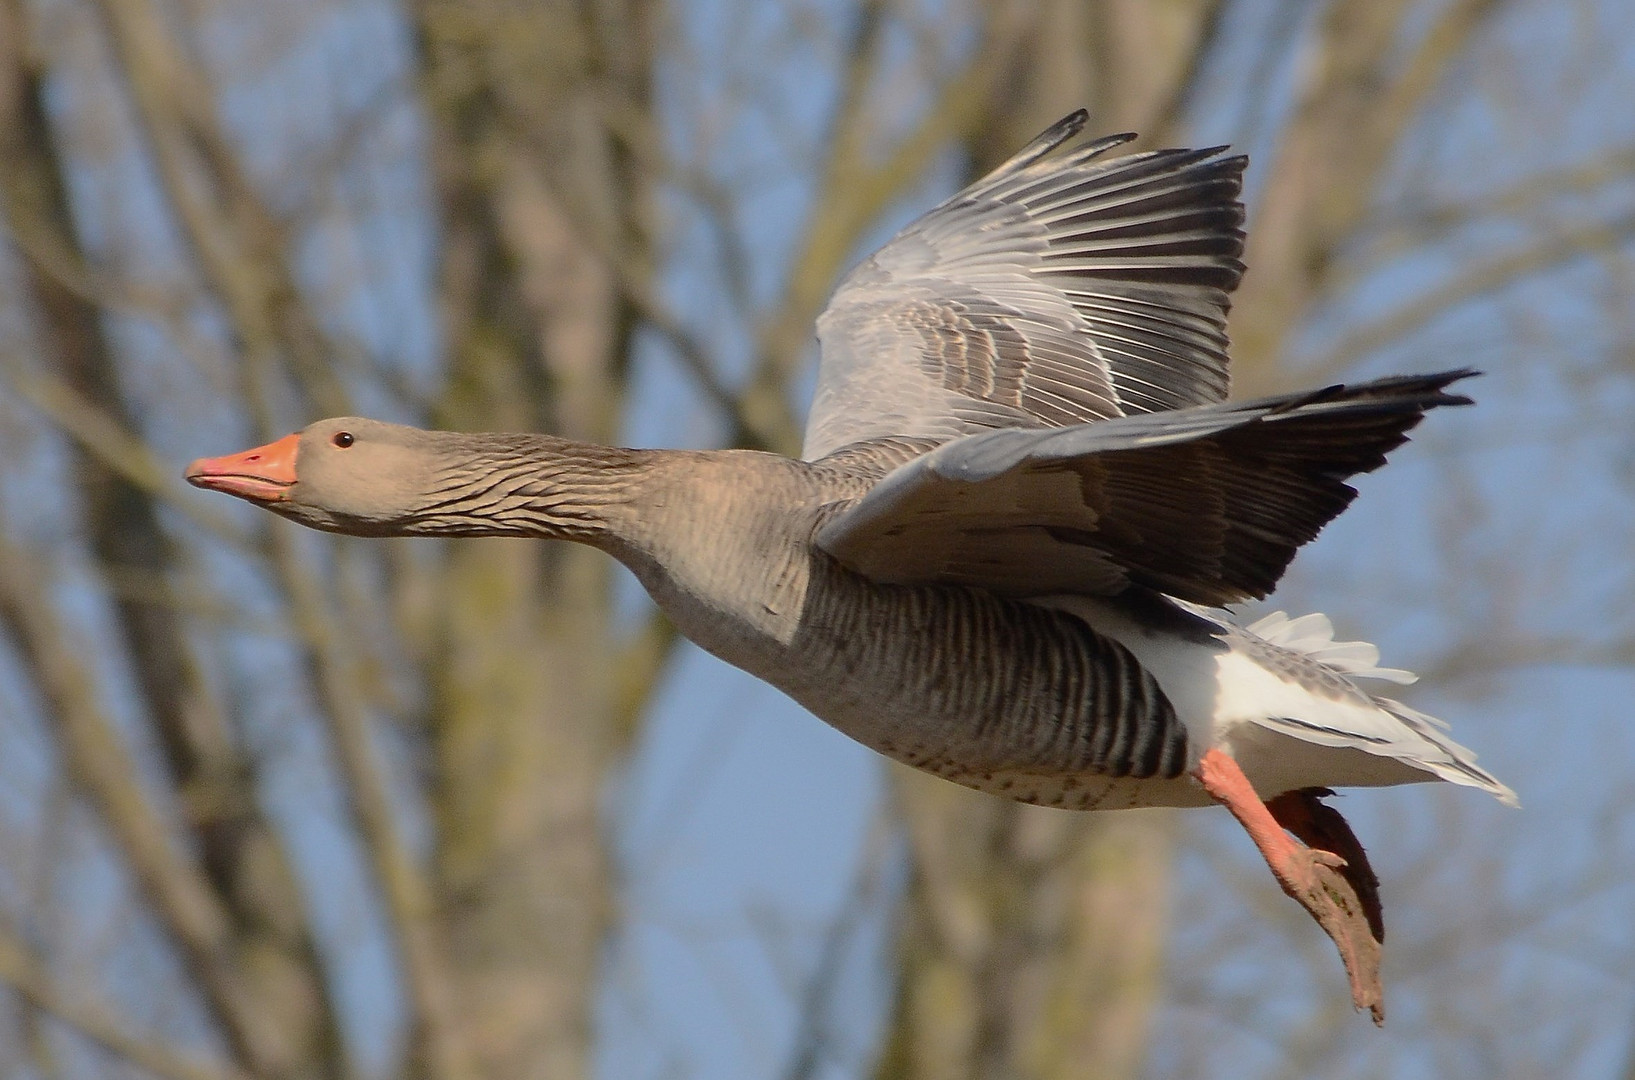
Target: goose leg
{"x": 1320, "y": 826}
{"x": 1344, "y": 899}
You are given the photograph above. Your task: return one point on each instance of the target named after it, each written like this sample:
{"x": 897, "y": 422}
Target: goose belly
{"x": 1007, "y": 697}
{"x": 1230, "y": 699}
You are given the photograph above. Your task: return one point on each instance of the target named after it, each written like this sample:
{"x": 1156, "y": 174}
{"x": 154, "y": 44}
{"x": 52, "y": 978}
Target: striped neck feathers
{"x": 368, "y": 478}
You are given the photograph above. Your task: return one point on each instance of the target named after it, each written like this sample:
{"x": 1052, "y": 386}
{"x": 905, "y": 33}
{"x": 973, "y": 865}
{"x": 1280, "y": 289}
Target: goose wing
{"x": 1208, "y": 503}
{"x": 1060, "y": 288}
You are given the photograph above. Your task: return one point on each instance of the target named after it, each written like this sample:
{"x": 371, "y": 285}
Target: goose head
{"x": 370, "y": 478}
{"x": 345, "y": 474}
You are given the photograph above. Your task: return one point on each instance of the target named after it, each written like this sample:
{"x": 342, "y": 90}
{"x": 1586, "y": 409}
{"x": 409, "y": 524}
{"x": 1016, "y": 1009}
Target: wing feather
{"x": 1208, "y": 504}
{"x": 1061, "y": 288}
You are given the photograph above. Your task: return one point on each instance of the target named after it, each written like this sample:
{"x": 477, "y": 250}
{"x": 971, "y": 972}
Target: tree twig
{"x": 100, "y": 435}
{"x": 25, "y": 974}
{"x": 1482, "y": 280}
{"x": 812, "y": 1041}
{"x": 180, "y": 895}
{"x": 852, "y": 194}
{"x": 406, "y": 894}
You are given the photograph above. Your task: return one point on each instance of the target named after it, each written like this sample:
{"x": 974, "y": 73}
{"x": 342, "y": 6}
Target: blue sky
{"x": 742, "y": 824}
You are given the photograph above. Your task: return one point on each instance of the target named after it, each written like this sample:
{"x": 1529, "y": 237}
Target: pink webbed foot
{"x": 1322, "y": 829}
{"x": 1328, "y": 873}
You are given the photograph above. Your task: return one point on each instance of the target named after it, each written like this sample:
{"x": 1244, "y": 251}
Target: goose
{"x": 1022, "y": 510}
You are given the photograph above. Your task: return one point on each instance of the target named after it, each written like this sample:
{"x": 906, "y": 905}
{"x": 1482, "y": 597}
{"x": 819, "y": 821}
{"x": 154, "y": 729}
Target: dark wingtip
{"x": 1434, "y": 385}
{"x": 1457, "y": 374}
{"x": 1451, "y": 377}
{"x": 1043, "y": 143}
{"x": 1059, "y": 132}
{"x": 1448, "y": 377}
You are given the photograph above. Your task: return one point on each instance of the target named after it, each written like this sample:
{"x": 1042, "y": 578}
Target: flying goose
{"x": 1022, "y": 507}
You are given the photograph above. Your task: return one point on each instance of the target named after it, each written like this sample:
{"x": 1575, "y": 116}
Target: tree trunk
{"x": 538, "y": 198}
{"x": 1032, "y": 939}
{"x": 240, "y": 855}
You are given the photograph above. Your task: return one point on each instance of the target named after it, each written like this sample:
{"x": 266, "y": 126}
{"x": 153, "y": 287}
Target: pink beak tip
{"x": 263, "y": 474}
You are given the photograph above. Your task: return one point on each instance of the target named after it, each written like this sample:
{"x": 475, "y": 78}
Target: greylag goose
{"x": 1022, "y": 507}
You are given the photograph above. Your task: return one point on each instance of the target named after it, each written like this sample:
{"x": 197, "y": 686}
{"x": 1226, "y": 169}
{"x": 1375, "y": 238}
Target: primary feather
{"x": 1061, "y": 288}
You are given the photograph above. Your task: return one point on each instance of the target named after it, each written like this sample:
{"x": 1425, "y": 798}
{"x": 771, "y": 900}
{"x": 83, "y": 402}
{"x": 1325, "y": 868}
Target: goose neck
{"x": 531, "y": 485}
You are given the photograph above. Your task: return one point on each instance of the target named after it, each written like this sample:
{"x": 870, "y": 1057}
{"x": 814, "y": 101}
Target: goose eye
{"x": 343, "y": 439}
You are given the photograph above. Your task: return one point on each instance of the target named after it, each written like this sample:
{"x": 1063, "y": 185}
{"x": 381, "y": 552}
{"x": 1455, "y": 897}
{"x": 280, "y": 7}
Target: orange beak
{"x": 262, "y": 475}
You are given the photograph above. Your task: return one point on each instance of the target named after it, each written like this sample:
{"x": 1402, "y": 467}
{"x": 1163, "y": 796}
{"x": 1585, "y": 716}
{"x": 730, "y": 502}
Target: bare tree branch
{"x": 693, "y": 354}
{"x": 1483, "y": 280}
{"x": 406, "y": 892}
{"x": 24, "y": 973}
{"x": 240, "y": 247}
{"x": 1403, "y": 227}
{"x": 1167, "y": 118}
{"x": 1361, "y": 97}
{"x": 641, "y": 661}
{"x": 852, "y": 192}
{"x": 100, "y": 435}
{"x": 182, "y": 898}
{"x": 813, "y": 1038}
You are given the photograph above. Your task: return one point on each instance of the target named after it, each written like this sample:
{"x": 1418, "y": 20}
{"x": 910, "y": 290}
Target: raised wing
{"x": 1208, "y": 504}
{"x": 1056, "y": 290}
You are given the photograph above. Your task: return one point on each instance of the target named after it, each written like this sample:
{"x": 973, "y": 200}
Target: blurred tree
{"x": 1034, "y": 940}
{"x": 276, "y": 806}
{"x": 539, "y": 118}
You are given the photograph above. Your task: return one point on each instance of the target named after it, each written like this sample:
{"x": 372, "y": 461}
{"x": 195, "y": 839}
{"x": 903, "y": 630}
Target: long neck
{"x": 530, "y": 485}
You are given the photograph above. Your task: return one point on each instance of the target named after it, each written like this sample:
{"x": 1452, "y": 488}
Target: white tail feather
{"x": 1427, "y": 745}
{"x": 1313, "y": 635}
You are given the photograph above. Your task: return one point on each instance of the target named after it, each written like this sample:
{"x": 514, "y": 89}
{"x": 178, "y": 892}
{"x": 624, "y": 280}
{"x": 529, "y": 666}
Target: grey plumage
{"x": 1208, "y": 504}
{"x": 1021, "y": 481}
{"x": 1021, "y": 475}
{"x": 1056, "y": 290}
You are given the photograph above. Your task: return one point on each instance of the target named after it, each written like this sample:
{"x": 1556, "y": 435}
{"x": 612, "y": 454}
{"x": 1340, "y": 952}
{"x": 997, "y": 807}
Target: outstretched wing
{"x": 1059, "y": 289}
{"x": 1208, "y": 504}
